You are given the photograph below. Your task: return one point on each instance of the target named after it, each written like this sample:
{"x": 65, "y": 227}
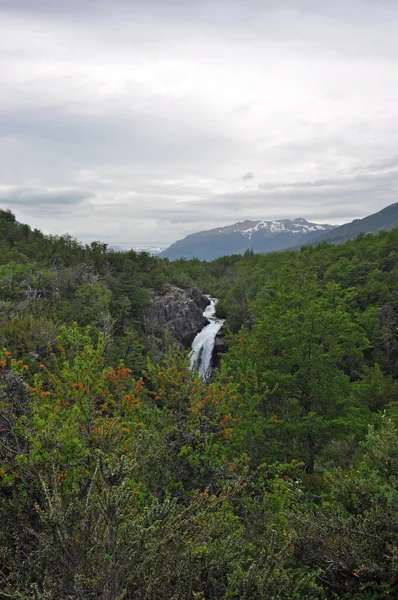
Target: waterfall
{"x": 203, "y": 344}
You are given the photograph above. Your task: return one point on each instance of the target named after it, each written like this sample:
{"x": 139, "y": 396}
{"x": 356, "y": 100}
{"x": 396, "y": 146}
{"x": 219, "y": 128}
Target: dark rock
{"x": 196, "y": 295}
{"x": 177, "y": 313}
{"x": 220, "y": 346}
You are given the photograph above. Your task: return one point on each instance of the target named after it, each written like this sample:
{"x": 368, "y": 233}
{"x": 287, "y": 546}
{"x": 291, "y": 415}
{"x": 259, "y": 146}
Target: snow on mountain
{"x": 248, "y": 228}
{"x": 150, "y": 249}
{"x": 259, "y": 236}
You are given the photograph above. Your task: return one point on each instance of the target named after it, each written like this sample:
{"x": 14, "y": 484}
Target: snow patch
{"x": 283, "y": 226}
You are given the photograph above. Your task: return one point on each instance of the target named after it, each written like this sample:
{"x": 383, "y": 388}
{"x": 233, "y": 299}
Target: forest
{"x": 123, "y": 475}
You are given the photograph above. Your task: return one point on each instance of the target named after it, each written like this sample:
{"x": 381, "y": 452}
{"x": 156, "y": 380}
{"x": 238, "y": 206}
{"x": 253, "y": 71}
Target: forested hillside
{"x": 124, "y": 476}
{"x": 384, "y": 220}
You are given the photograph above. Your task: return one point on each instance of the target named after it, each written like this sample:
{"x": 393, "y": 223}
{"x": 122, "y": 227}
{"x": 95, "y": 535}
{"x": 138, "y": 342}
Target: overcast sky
{"x": 138, "y": 122}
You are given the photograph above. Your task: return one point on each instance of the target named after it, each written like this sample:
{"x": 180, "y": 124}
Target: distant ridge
{"x": 270, "y": 236}
{"x": 386, "y": 219}
{"x": 259, "y": 236}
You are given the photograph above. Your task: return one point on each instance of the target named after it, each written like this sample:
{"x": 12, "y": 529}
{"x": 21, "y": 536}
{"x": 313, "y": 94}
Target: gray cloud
{"x": 354, "y": 194}
{"x": 132, "y": 121}
{"x": 42, "y": 201}
{"x": 381, "y": 174}
{"x": 248, "y": 176}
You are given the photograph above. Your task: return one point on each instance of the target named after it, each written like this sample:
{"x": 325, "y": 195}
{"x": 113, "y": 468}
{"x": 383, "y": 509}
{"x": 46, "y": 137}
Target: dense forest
{"x": 123, "y": 475}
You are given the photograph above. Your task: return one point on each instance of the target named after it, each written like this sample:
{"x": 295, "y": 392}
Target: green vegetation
{"x": 124, "y": 476}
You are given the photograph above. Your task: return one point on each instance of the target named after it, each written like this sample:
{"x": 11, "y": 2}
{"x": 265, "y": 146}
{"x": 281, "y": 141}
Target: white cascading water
{"x": 203, "y": 344}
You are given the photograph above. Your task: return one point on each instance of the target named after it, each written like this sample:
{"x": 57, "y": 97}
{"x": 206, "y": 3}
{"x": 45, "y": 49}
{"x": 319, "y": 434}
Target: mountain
{"x": 385, "y": 219}
{"x": 270, "y": 236}
{"x": 259, "y": 236}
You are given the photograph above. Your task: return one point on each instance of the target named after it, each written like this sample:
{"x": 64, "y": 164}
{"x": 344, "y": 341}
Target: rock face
{"x": 220, "y": 346}
{"x": 177, "y": 313}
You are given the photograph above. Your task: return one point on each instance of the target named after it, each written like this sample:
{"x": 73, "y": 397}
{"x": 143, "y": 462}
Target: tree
{"x": 351, "y": 539}
{"x": 306, "y": 349}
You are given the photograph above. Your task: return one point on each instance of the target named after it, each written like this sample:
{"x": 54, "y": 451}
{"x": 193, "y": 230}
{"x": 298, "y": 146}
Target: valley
{"x": 244, "y": 448}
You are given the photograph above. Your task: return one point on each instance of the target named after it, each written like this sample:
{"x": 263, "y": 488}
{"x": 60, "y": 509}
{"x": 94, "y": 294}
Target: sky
{"x": 139, "y": 122}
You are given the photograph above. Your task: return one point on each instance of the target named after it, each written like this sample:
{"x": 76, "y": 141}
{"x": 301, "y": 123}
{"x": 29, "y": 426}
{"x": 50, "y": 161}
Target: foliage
{"x": 124, "y": 475}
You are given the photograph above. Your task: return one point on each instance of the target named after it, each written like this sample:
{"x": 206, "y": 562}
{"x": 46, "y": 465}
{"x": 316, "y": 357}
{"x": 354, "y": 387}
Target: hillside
{"x": 258, "y": 236}
{"x": 263, "y": 237}
{"x": 386, "y": 219}
{"x": 123, "y": 474}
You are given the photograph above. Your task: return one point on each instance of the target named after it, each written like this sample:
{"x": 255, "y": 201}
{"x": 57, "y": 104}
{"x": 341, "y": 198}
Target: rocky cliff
{"x": 220, "y": 346}
{"x": 175, "y": 313}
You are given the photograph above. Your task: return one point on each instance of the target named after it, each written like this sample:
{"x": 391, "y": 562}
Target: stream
{"x": 203, "y": 344}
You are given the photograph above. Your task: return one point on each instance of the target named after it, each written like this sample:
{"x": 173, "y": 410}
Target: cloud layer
{"x": 140, "y": 122}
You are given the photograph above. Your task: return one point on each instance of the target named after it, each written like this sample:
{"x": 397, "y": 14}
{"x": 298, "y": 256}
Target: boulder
{"x": 176, "y": 312}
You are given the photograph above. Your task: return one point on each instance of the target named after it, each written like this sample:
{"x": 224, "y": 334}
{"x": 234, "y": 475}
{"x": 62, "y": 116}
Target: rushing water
{"x": 203, "y": 344}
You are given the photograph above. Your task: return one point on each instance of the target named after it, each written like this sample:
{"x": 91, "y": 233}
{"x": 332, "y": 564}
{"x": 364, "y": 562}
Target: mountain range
{"x": 270, "y": 236}
{"x": 259, "y": 236}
